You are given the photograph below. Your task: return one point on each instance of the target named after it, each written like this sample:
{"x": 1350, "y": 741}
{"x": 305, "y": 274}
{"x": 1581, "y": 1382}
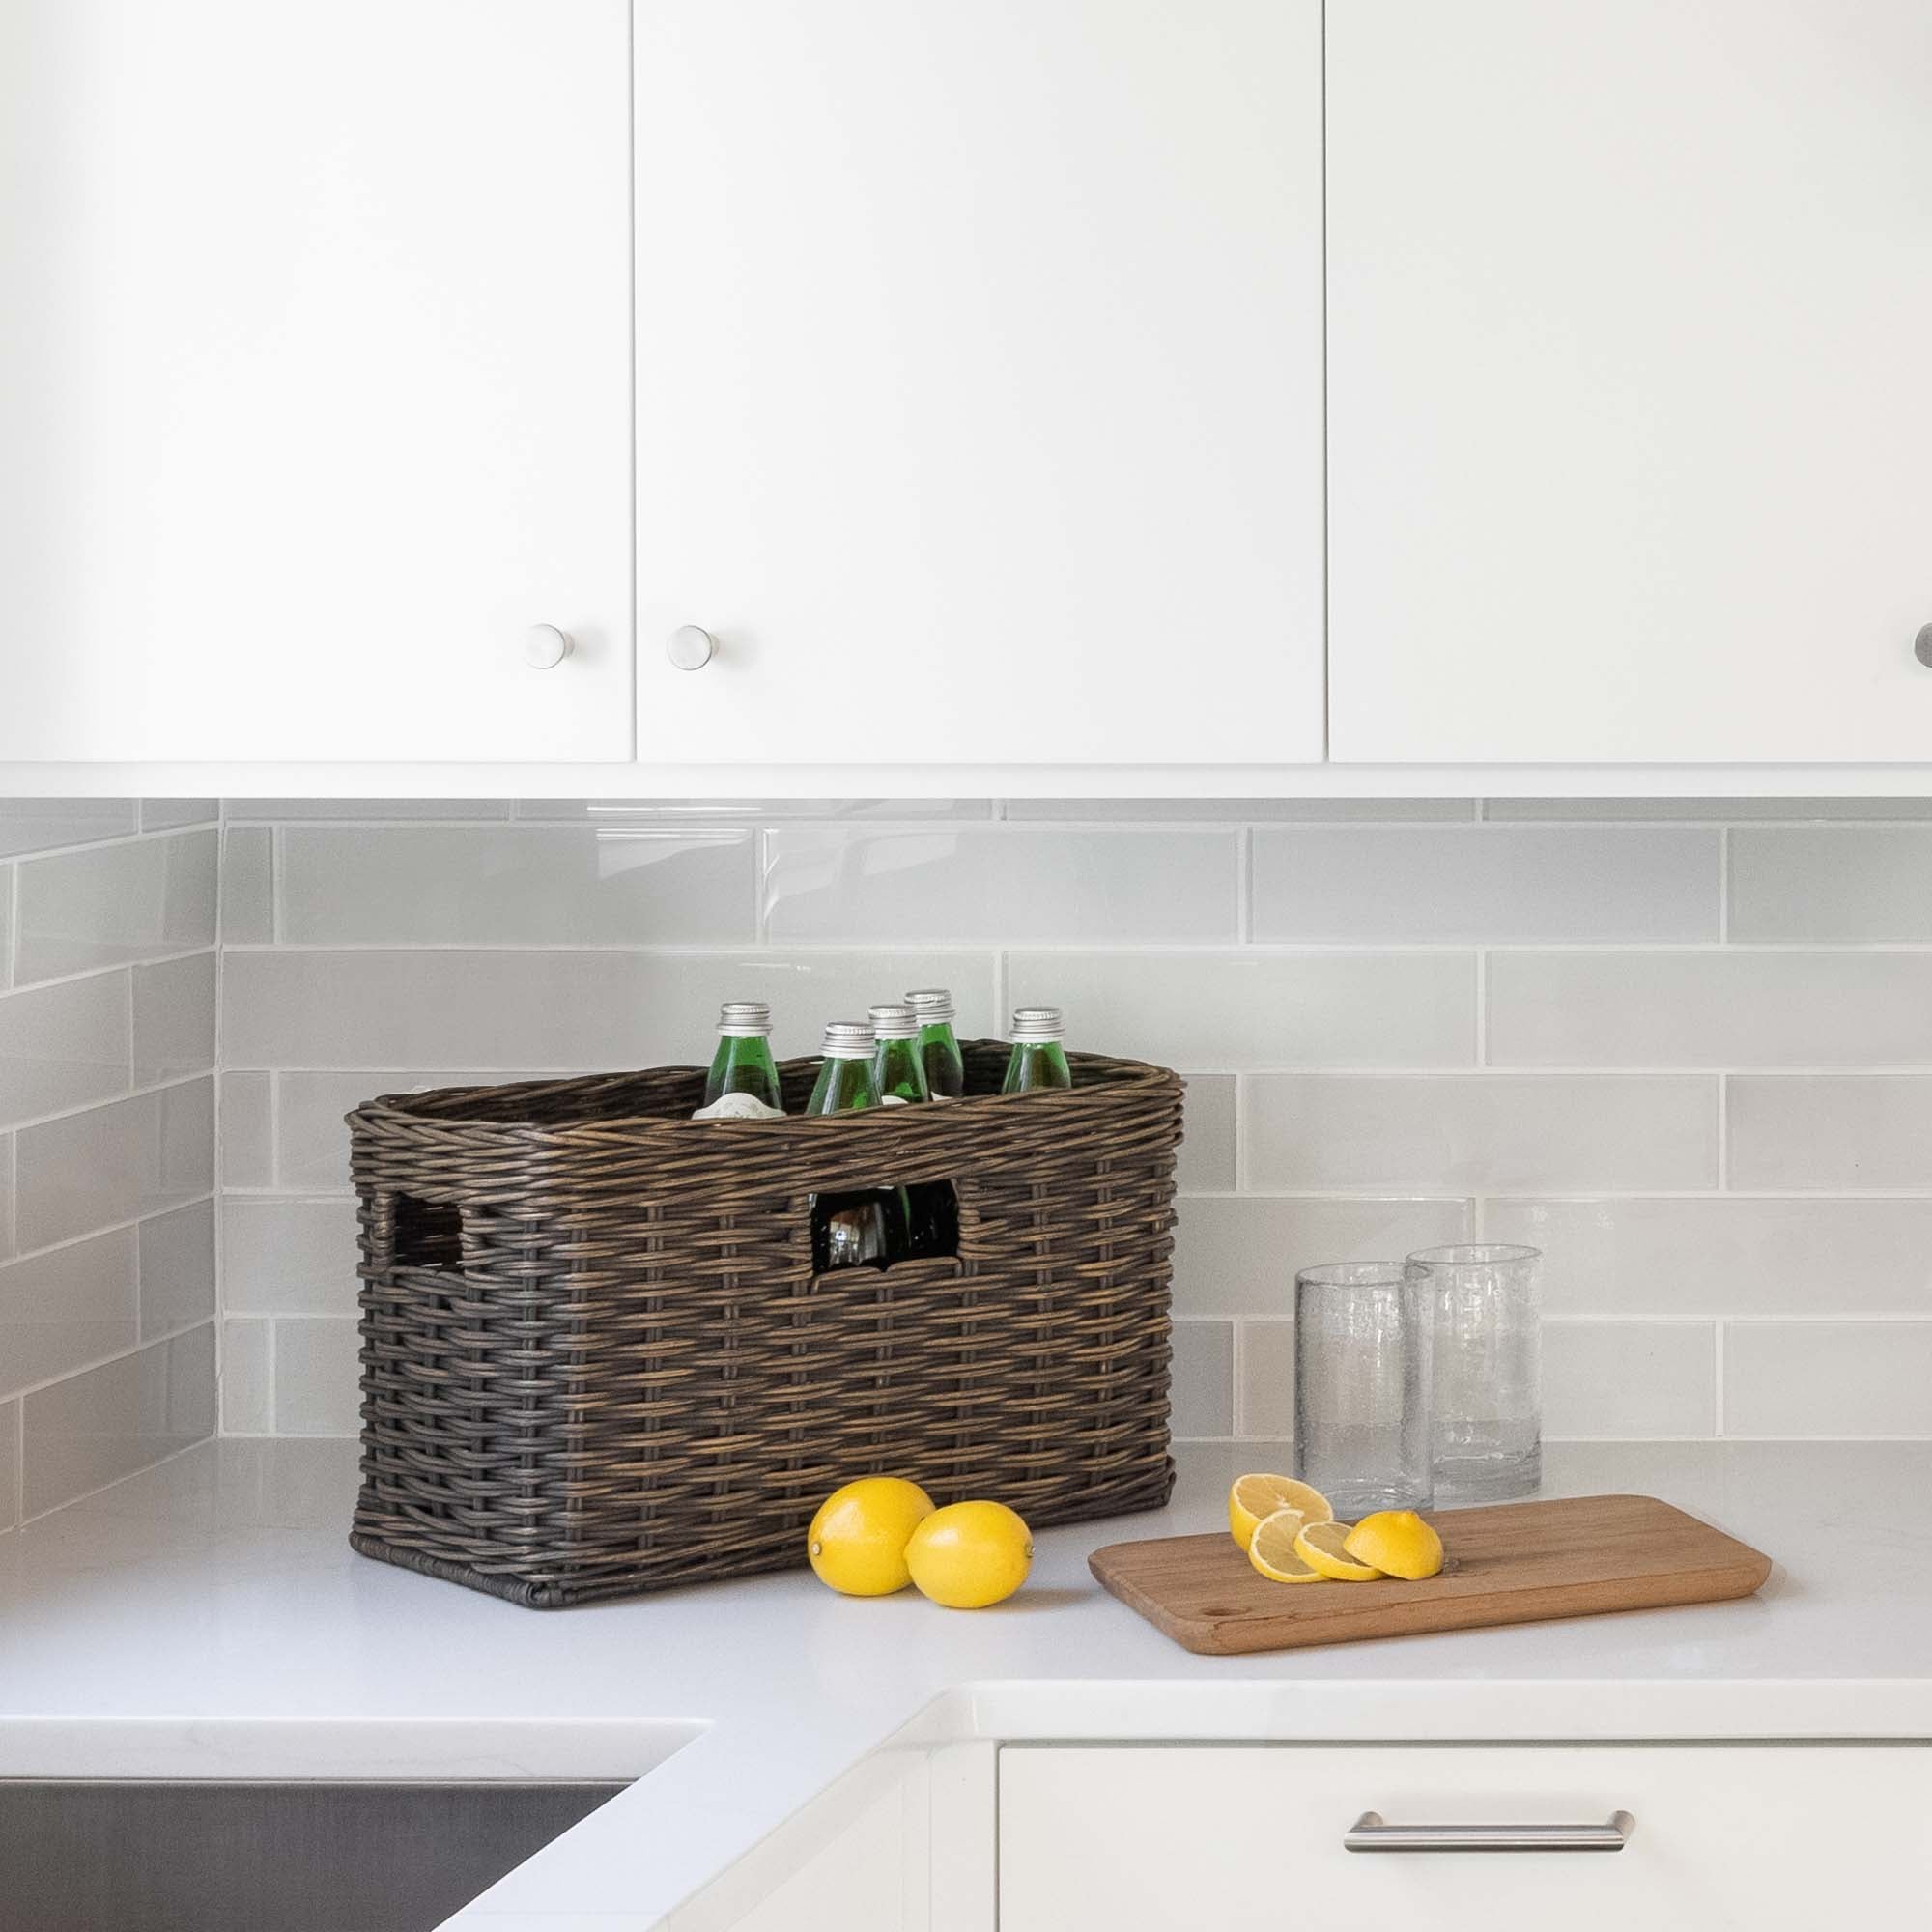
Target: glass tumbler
{"x": 1361, "y": 1387}
{"x": 1484, "y": 1306}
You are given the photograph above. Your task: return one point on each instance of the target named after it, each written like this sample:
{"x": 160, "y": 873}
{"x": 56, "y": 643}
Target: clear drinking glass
{"x": 1361, "y": 1387}
{"x": 1485, "y": 1307}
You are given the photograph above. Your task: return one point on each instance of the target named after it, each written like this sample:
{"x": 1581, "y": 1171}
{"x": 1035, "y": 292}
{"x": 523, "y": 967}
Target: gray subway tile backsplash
{"x": 174, "y": 1013}
{"x": 533, "y": 1009}
{"x": 1480, "y": 1133}
{"x": 44, "y": 824}
{"x": 1486, "y": 884}
{"x": 115, "y": 1163}
{"x": 446, "y": 885}
{"x": 1236, "y": 1254}
{"x": 97, "y": 1426}
{"x": 1207, "y": 1149}
{"x": 1829, "y": 1378}
{"x": 1012, "y": 885}
{"x": 247, "y": 885}
{"x": 1204, "y": 1378}
{"x": 1683, "y": 1046}
{"x": 1629, "y": 1380}
{"x": 284, "y": 1257}
{"x": 1725, "y": 1255}
{"x": 62, "y": 1046}
{"x": 109, "y": 981}
{"x": 1237, "y": 1010}
{"x": 69, "y": 1307}
{"x": 1722, "y": 1009}
{"x": 1831, "y": 1133}
{"x": 1831, "y": 883}
{"x": 108, "y": 905}
{"x": 315, "y": 1377}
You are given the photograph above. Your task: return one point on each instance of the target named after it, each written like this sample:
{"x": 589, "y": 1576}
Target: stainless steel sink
{"x": 85, "y": 1855}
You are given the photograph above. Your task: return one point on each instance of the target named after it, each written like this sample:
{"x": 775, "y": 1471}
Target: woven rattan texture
{"x": 596, "y": 1361}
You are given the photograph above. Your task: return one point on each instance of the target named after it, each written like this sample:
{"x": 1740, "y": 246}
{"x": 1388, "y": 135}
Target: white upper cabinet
{"x": 1630, "y": 379}
{"x": 314, "y": 379}
{"x": 980, "y": 380}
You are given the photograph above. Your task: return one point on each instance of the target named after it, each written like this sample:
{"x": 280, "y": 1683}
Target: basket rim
{"x": 1129, "y": 1082}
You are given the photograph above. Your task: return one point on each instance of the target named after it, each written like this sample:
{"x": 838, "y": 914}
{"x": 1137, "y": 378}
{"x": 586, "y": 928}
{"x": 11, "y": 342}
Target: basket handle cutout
{"x": 874, "y": 1226}
{"x": 429, "y": 1233}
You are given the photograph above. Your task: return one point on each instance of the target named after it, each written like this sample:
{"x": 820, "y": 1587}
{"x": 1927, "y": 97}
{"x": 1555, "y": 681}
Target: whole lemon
{"x": 968, "y": 1556}
{"x": 857, "y": 1540}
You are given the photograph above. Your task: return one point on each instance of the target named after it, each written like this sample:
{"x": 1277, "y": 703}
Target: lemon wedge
{"x": 1272, "y": 1550}
{"x": 1397, "y": 1542}
{"x": 1253, "y": 1497}
{"x": 1319, "y": 1546}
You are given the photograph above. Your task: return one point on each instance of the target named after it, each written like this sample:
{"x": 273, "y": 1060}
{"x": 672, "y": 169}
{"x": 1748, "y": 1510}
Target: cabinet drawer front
{"x": 1241, "y": 1839}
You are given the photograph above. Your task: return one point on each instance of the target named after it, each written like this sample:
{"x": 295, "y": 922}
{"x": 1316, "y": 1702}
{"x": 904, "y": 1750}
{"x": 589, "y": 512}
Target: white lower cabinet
{"x": 1238, "y": 1838}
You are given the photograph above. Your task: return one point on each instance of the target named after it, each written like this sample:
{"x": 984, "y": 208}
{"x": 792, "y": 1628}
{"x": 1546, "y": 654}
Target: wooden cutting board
{"x": 1511, "y": 1563}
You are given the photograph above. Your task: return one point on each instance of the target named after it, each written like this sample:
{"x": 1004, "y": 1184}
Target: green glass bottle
{"x": 899, "y": 1064}
{"x": 938, "y": 1046}
{"x": 743, "y": 1063}
{"x": 898, "y": 1067}
{"x": 867, "y": 1227}
{"x": 1037, "y": 1060}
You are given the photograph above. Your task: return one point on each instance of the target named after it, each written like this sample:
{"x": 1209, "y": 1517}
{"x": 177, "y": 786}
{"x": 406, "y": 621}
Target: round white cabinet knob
{"x": 689, "y": 649}
{"x": 545, "y": 647}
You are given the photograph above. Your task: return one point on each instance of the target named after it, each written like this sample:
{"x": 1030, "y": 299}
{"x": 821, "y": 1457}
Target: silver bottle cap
{"x": 932, "y": 1004}
{"x": 751, "y": 1018}
{"x": 1038, "y": 1025}
{"x": 894, "y": 1021}
{"x": 847, "y": 1039}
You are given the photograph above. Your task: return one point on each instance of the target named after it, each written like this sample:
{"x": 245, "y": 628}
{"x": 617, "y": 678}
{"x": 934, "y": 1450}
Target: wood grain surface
{"x": 1512, "y": 1563}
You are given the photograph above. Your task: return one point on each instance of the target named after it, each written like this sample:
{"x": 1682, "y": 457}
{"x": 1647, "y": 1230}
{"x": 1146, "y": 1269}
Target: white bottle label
{"x": 738, "y": 1107}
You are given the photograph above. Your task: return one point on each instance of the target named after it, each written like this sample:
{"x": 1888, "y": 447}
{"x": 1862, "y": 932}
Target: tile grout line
{"x": 1717, "y": 1329}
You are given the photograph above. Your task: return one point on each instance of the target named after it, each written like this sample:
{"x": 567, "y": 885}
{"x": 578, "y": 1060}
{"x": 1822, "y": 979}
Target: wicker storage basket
{"x": 596, "y": 1359}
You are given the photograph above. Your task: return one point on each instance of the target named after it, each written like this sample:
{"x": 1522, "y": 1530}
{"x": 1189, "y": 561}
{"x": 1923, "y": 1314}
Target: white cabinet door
{"x": 1746, "y": 1838}
{"x": 1629, "y": 394}
{"x": 314, "y": 379}
{"x": 980, "y": 380}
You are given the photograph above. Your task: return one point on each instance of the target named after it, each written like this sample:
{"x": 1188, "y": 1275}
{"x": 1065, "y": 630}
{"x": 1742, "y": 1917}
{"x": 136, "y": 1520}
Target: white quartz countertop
{"x": 206, "y": 1619}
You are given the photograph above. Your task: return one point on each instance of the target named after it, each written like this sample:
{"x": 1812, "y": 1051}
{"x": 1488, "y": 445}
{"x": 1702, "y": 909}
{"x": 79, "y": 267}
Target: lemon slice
{"x": 1253, "y": 1497}
{"x": 1319, "y": 1546}
{"x": 1397, "y": 1542}
{"x": 1272, "y": 1550}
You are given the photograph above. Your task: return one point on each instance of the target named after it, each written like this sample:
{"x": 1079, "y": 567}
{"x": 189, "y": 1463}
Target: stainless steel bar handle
{"x": 1371, "y": 1833}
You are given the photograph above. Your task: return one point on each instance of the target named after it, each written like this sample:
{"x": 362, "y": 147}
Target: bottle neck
{"x": 842, "y": 1086}
{"x": 900, "y": 1069}
{"x": 1036, "y": 1063}
{"x": 743, "y": 1064}
{"x": 945, "y": 1063}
